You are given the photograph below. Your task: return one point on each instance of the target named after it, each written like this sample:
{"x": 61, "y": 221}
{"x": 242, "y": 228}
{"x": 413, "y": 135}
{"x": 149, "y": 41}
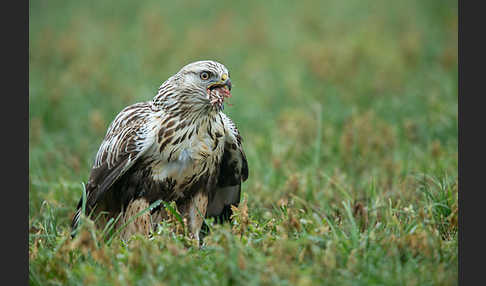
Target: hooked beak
{"x": 221, "y": 83}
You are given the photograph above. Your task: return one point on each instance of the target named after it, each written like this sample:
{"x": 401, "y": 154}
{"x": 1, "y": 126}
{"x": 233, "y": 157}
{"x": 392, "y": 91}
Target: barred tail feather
{"x": 77, "y": 214}
{"x": 75, "y": 222}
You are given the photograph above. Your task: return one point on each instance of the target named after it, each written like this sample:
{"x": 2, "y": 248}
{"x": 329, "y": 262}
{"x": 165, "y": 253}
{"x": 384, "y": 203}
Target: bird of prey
{"x": 179, "y": 147}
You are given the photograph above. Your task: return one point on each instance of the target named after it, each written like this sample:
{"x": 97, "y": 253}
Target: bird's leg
{"x": 194, "y": 212}
{"x": 140, "y": 224}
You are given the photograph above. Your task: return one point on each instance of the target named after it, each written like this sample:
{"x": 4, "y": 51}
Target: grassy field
{"x": 348, "y": 112}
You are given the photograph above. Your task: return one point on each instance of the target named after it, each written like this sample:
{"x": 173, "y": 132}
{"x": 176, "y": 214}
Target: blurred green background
{"x": 331, "y": 97}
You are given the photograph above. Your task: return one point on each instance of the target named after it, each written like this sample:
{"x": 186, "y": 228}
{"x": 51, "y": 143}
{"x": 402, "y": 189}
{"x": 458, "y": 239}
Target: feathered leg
{"x": 141, "y": 224}
{"x": 194, "y": 211}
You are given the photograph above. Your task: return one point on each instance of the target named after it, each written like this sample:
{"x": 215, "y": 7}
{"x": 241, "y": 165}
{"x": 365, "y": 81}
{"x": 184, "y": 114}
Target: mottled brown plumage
{"x": 178, "y": 147}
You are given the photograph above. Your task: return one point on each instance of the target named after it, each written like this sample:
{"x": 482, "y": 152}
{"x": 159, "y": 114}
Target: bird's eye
{"x": 204, "y": 75}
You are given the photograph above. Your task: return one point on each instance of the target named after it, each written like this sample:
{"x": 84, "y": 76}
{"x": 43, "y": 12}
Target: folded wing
{"x": 233, "y": 171}
{"x": 128, "y": 138}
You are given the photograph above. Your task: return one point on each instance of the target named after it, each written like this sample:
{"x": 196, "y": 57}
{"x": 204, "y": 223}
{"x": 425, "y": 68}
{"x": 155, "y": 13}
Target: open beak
{"x": 222, "y": 83}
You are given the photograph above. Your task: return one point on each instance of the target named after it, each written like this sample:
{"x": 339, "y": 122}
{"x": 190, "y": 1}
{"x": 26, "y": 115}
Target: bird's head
{"x": 203, "y": 84}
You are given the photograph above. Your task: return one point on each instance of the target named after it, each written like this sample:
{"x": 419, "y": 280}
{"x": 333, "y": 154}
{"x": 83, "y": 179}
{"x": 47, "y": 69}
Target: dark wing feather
{"x": 233, "y": 171}
{"x": 129, "y": 136}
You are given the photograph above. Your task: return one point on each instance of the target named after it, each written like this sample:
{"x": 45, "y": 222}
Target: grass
{"x": 348, "y": 111}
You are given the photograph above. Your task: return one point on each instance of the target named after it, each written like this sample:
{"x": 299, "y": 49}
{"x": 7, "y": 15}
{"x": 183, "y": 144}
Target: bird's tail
{"x": 81, "y": 207}
{"x": 76, "y": 218}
